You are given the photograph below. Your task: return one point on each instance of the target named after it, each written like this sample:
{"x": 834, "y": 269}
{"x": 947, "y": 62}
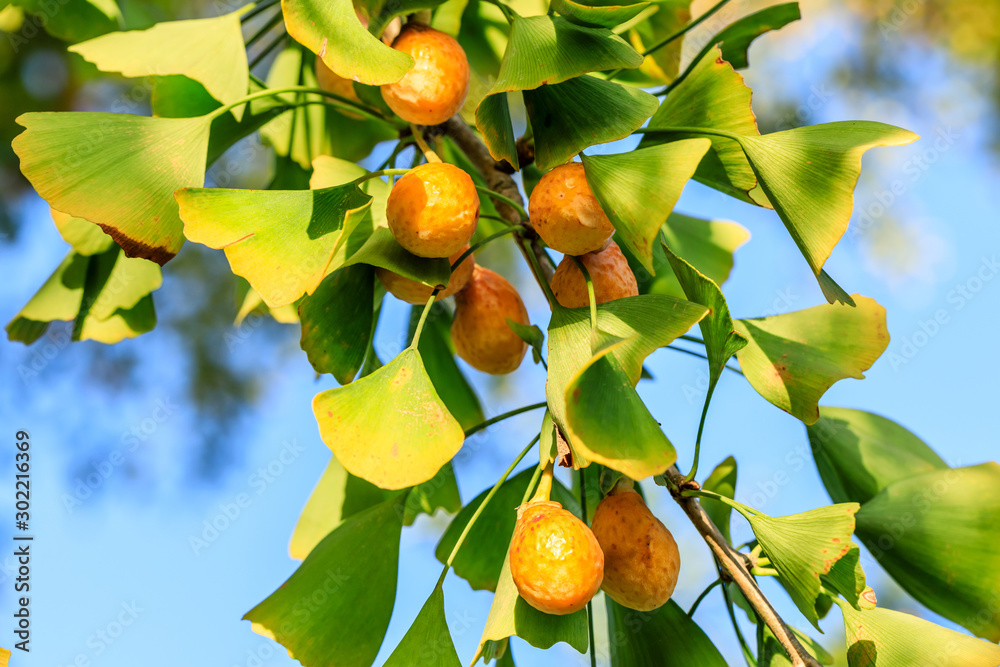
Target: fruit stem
{"x": 507, "y": 200}
{"x": 499, "y": 418}
{"x": 544, "y": 485}
{"x": 418, "y": 136}
{"x": 703, "y": 595}
{"x": 590, "y": 293}
{"x": 482, "y": 506}
{"x": 423, "y": 318}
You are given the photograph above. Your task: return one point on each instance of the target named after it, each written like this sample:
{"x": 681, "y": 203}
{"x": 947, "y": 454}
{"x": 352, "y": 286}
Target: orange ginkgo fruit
{"x": 609, "y": 272}
{"x": 435, "y": 87}
{"x": 433, "y": 210}
{"x": 480, "y": 331}
{"x": 641, "y": 560}
{"x": 555, "y": 560}
{"x": 566, "y": 214}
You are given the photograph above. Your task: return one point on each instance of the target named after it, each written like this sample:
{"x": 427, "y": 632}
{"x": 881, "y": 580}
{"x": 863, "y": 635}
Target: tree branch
{"x": 498, "y": 179}
{"x": 734, "y": 565}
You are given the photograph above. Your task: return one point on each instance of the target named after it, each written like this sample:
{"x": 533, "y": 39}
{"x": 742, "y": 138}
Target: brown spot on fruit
{"x": 566, "y": 214}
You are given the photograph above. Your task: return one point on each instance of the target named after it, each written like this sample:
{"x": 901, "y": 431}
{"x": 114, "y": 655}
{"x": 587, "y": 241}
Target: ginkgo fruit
{"x": 609, "y": 272}
{"x": 412, "y": 291}
{"x": 555, "y": 560}
{"x": 566, "y": 214}
{"x": 641, "y": 560}
{"x": 434, "y": 89}
{"x": 433, "y": 210}
{"x": 480, "y": 331}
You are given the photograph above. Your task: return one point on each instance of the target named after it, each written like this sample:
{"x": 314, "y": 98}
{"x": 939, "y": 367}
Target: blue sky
{"x": 124, "y": 555}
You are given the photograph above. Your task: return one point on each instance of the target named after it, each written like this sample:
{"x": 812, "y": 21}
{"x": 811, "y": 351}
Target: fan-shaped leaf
{"x": 859, "y": 453}
{"x": 335, "y": 608}
{"x": 74, "y": 20}
{"x": 428, "y": 642}
{"x": 209, "y": 51}
{"x": 665, "y": 636}
{"x": 639, "y": 189}
{"x": 117, "y": 170}
{"x": 600, "y": 15}
{"x": 493, "y": 122}
{"x": 333, "y": 32}
{"x": 886, "y": 638}
{"x": 935, "y": 534}
{"x": 391, "y": 427}
{"x": 85, "y": 237}
{"x": 792, "y": 359}
{"x": 735, "y": 39}
{"x": 570, "y": 116}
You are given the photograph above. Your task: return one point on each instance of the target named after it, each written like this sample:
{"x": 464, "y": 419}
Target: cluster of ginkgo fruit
{"x": 557, "y": 562}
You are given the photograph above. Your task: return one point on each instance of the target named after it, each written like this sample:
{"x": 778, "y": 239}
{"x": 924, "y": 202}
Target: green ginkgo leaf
{"x": 333, "y": 32}
{"x": 639, "y": 189}
{"x": 286, "y": 253}
{"x": 209, "y": 51}
{"x": 349, "y": 581}
{"x": 119, "y": 171}
{"x": 809, "y": 173}
{"x": 792, "y": 359}
{"x": 803, "y": 547}
{"x": 494, "y": 123}
{"x": 712, "y": 97}
{"x": 568, "y": 117}
{"x": 664, "y": 636}
{"x": 645, "y": 323}
{"x": 391, "y": 427}
{"x": 934, "y": 533}
{"x": 670, "y": 16}
{"x": 550, "y": 49}
{"x": 858, "y": 453}
{"x": 428, "y": 642}
{"x": 600, "y": 15}
{"x": 722, "y": 480}
{"x": 85, "y": 237}
{"x": 887, "y": 638}
{"x": 735, "y": 39}
{"x": 72, "y": 20}
{"x": 337, "y": 322}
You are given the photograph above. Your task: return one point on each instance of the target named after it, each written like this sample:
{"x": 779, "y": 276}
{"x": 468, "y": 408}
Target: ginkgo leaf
{"x": 428, "y": 642}
{"x": 568, "y": 117}
{"x": 722, "y": 340}
{"x": 252, "y": 303}
{"x": 550, "y": 49}
{"x": 300, "y": 133}
{"x": 391, "y": 427}
{"x": 645, "y": 322}
{"x": 809, "y": 173}
{"x": 734, "y": 40}
{"x": 722, "y": 480}
{"x": 639, "y": 189}
{"x": 934, "y": 533}
{"x": 802, "y": 547}
{"x": 284, "y": 254}
{"x": 608, "y": 423}
{"x": 117, "y": 170}
{"x": 105, "y": 295}
{"x": 72, "y": 20}
{"x": 337, "y": 322}
{"x": 333, "y": 32}
{"x": 493, "y": 121}
{"x": 349, "y": 579}
{"x": 600, "y": 15}
{"x": 792, "y": 359}
{"x": 85, "y": 237}
{"x": 664, "y": 636}
{"x": 209, "y": 51}
{"x": 712, "y": 97}
{"x": 858, "y": 453}
{"x": 663, "y": 63}
{"x": 887, "y": 638}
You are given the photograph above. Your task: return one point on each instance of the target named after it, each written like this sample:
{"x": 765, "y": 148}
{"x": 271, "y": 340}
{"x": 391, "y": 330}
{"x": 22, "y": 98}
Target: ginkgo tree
{"x": 329, "y": 241}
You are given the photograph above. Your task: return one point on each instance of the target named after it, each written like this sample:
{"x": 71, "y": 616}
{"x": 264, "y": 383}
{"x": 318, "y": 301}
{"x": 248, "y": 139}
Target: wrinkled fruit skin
{"x": 416, "y": 293}
{"x": 609, "y": 271}
{"x": 433, "y": 210}
{"x": 435, "y": 88}
{"x": 641, "y": 557}
{"x": 566, "y": 214}
{"x": 479, "y": 329}
{"x": 555, "y": 560}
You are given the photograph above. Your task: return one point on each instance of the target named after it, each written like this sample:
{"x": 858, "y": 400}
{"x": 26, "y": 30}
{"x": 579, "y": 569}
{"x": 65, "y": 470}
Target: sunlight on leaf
{"x": 209, "y": 51}
{"x": 391, "y": 427}
{"x": 792, "y": 359}
{"x": 85, "y": 237}
{"x": 934, "y": 533}
{"x": 639, "y": 189}
{"x": 348, "y": 582}
{"x": 117, "y": 170}
{"x": 600, "y": 15}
